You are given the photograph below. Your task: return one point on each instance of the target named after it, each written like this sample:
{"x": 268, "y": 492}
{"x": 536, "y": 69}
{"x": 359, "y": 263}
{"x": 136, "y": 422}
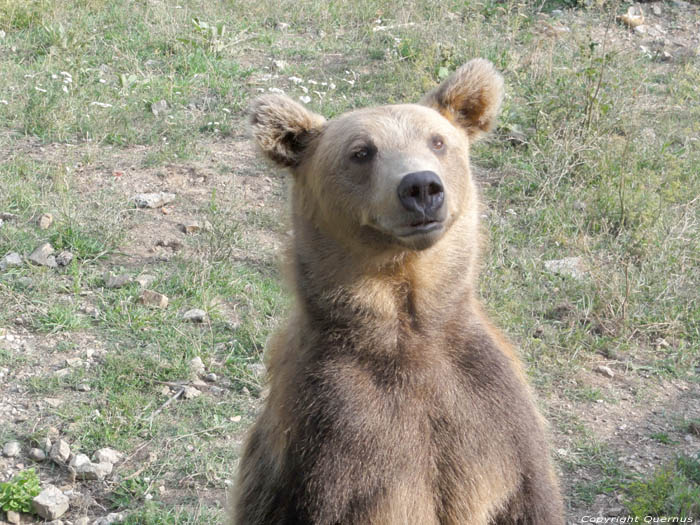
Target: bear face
{"x": 393, "y": 178}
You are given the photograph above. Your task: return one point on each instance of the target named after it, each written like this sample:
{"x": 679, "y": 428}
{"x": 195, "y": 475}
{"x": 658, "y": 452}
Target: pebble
{"x": 82, "y": 521}
{"x": 42, "y": 256}
{"x": 190, "y": 227}
{"x": 37, "y": 454}
{"x": 109, "y": 519}
{"x": 191, "y": 392}
{"x": 159, "y": 107}
{"x": 11, "y": 449}
{"x": 60, "y": 451}
{"x": 604, "y": 370}
{"x": 64, "y": 258}
{"x": 108, "y": 455}
{"x": 10, "y": 260}
{"x": 145, "y": 280}
{"x": 153, "y": 200}
{"x": 194, "y": 315}
{"x": 568, "y": 266}
{"x": 197, "y": 366}
{"x": 45, "y": 221}
{"x": 14, "y": 517}
{"x": 86, "y": 469}
{"x": 212, "y": 378}
{"x": 51, "y": 503}
{"x": 117, "y": 281}
{"x": 155, "y": 299}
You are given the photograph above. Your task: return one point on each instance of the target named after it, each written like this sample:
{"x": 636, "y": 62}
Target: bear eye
{"x": 437, "y": 143}
{"x": 363, "y": 154}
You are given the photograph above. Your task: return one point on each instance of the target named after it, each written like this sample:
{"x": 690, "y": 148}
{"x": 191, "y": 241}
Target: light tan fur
{"x": 393, "y": 400}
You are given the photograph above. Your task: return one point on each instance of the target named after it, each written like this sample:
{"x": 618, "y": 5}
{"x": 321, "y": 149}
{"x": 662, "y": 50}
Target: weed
{"x": 17, "y": 494}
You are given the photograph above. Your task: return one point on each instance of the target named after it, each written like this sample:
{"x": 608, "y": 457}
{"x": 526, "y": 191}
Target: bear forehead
{"x": 395, "y": 125}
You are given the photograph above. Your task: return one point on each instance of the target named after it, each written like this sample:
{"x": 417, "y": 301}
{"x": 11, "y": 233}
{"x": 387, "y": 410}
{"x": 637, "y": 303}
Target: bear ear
{"x": 470, "y": 97}
{"x": 283, "y": 128}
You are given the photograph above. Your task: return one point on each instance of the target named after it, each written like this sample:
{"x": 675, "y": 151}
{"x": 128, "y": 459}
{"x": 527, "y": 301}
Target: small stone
{"x": 688, "y": 438}
{"x": 656, "y": 8}
{"x": 190, "y": 227}
{"x": 86, "y": 469}
{"x": 83, "y": 387}
{"x": 64, "y": 258}
{"x": 51, "y": 503}
{"x": 145, "y": 280}
{"x": 11, "y": 449}
{"x": 235, "y": 419}
{"x": 14, "y": 517}
{"x": 159, "y": 107}
{"x": 42, "y": 256}
{"x": 117, "y": 281}
{"x": 108, "y": 455}
{"x": 280, "y": 64}
{"x": 54, "y": 403}
{"x": 45, "y": 221}
{"x": 10, "y": 260}
{"x": 257, "y": 370}
{"x": 197, "y": 366}
{"x": 74, "y": 362}
{"x": 281, "y": 26}
{"x": 191, "y": 392}
{"x": 155, "y": 299}
{"x": 46, "y": 444}
{"x": 194, "y": 316}
{"x": 568, "y": 266}
{"x": 109, "y": 519}
{"x": 604, "y": 370}
{"x": 63, "y": 372}
{"x": 60, "y": 451}
{"x": 211, "y": 377}
{"x": 82, "y": 521}
{"x": 153, "y": 200}
{"x": 37, "y": 454}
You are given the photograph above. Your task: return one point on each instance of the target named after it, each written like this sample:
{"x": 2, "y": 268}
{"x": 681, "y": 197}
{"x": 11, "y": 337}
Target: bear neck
{"x": 375, "y": 301}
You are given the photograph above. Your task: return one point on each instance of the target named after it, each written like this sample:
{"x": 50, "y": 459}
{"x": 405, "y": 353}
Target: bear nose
{"x": 421, "y": 191}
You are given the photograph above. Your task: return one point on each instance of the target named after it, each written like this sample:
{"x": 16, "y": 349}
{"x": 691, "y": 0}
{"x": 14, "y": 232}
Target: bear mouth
{"x": 421, "y": 227}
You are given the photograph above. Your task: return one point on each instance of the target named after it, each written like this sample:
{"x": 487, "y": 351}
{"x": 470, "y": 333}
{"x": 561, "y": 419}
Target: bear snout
{"x": 422, "y": 192}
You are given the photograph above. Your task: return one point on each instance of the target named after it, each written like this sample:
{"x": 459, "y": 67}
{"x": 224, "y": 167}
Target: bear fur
{"x": 392, "y": 399}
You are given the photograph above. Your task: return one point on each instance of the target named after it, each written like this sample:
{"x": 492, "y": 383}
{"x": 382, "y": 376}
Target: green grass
{"x": 608, "y": 173}
{"x": 672, "y": 491}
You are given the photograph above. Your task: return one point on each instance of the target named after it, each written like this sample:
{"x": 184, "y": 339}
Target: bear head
{"x": 395, "y": 178}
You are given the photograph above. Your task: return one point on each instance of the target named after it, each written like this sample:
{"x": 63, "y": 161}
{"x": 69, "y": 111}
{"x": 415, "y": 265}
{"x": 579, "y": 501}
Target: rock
{"x": 82, "y": 521}
{"x": 37, "y": 454}
{"x": 634, "y": 17}
{"x": 86, "y": 469}
{"x": 109, "y": 519}
{"x": 46, "y": 444}
{"x": 108, "y": 455}
{"x": 64, "y": 258}
{"x": 116, "y": 281}
{"x": 158, "y": 108}
{"x": 656, "y": 8}
{"x": 42, "y": 256}
{"x": 191, "y": 392}
{"x": 83, "y": 387}
{"x": 11, "y": 449}
{"x": 194, "y": 316}
{"x": 54, "y": 403}
{"x": 10, "y": 260}
{"x": 154, "y": 299}
{"x": 145, "y": 280}
{"x": 60, "y": 451}
{"x": 281, "y": 26}
{"x": 568, "y": 266}
{"x": 74, "y": 362}
{"x": 604, "y": 370}
{"x": 212, "y": 378}
{"x": 190, "y": 227}
{"x": 280, "y": 64}
{"x": 51, "y": 503}
{"x": 257, "y": 370}
{"x": 197, "y": 366}
{"x": 45, "y": 221}
{"x": 153, "y": 200}
{"x": 14, "y": 517}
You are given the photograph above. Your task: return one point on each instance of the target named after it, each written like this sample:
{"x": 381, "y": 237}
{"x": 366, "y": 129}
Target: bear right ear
{"x": 470, "y": 97}
{"x": 283, "y": 128}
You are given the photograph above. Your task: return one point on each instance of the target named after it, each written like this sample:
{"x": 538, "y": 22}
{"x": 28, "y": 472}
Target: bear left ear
{"x": 470, "y": 97}
{"x": 283, "y": 128}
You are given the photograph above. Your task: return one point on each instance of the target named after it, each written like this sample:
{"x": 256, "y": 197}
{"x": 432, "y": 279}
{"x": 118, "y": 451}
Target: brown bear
{"x": 392, "y": 399}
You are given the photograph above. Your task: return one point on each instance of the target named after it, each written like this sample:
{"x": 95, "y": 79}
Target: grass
{"x": 606, "y": 172}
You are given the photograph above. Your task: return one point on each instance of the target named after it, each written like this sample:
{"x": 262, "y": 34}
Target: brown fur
{"x": 393, "y": 400}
